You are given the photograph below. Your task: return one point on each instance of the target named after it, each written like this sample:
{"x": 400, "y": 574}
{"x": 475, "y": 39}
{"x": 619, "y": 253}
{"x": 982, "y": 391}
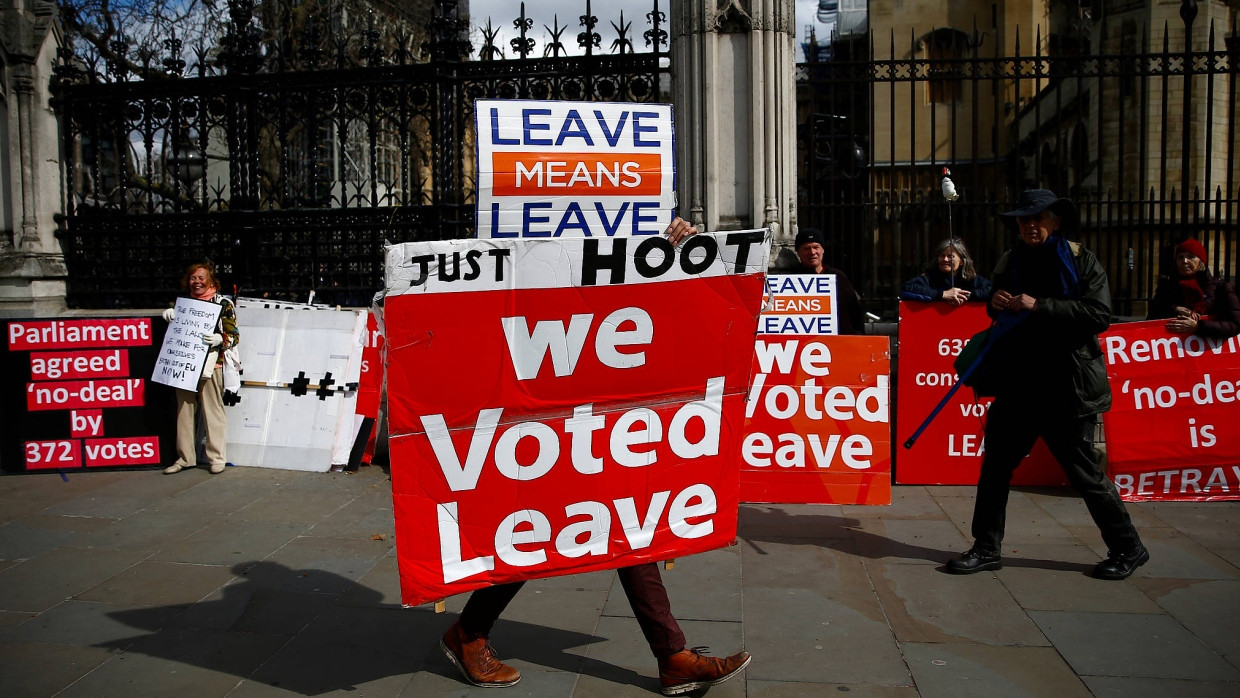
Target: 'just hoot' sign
{"x": 565, "y": 406}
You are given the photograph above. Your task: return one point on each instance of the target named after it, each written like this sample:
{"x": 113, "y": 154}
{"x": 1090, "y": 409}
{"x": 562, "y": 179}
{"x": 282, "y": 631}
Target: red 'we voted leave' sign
{"x": 564, "y": 406}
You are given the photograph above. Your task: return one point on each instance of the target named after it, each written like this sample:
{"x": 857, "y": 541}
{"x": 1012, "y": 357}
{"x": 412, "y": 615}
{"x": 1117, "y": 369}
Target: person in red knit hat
{"x": 1193, "y": 300}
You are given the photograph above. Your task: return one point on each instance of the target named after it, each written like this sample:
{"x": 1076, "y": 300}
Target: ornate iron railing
{"x": 1143, "y": 137}
{"x": 289, "y": 157}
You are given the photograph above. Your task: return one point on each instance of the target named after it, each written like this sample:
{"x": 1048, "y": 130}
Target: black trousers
{"x": 1012, "y": 428}
{"x": 643, "y": 585}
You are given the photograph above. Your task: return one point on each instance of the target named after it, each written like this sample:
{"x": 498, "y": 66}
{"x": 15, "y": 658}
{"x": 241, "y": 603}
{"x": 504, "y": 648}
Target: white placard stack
{"x": 301, "y": 368}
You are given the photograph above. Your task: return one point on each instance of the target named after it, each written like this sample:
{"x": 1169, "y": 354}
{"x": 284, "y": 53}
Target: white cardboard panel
{"x": 273, "y": 428}
{"x": 345, "y": 430}
{"x": 280, "y": 430}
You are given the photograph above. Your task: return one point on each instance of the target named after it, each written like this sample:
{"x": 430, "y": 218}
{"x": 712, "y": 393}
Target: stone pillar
{"x": 32, "y": 267}
{"x": 734, "y": 92}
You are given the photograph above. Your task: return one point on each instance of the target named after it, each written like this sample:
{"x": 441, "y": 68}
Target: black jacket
{"x": 1053, "y": 356}
{"x": 931, "y": 285}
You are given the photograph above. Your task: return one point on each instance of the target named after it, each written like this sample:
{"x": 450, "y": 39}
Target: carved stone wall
{"x": 734, "y": 89}
{"x": 32, "y": 268}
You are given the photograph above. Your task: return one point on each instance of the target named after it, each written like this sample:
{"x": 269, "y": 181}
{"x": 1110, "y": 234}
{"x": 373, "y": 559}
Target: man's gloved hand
{"x": 170, "y": 314}
{"x": 214, "y": 339}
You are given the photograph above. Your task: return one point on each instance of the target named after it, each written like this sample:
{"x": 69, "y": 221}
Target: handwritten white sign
{"x": 183, "y": 354}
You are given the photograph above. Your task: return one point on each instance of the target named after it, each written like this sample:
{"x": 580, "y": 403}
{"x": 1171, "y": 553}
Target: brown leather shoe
{"x": 688, "y": 670}
{"x": 476, "y": 659}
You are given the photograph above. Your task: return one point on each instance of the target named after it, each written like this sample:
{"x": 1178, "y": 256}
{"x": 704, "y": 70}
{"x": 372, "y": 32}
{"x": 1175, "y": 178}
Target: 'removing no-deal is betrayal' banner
{"x": 563, "y": 406}
{"x": 1171, "y": 433}
{"x": 550, "y": 169}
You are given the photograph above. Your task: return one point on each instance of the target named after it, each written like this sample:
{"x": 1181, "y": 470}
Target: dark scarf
{"x": 1194, "y": 297}
{"x": 1028, "y": 264}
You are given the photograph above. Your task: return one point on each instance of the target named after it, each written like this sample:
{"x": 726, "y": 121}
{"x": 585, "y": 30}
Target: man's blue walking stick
{"x": 998, "y": 328}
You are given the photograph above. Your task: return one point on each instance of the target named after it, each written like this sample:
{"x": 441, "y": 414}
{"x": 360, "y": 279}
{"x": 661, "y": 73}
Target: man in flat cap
{"x": 810, "y": 248}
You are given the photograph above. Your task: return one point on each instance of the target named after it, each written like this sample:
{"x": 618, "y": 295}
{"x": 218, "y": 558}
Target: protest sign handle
{"x": 998, "y": 328}
{"x": 908, "y": 444}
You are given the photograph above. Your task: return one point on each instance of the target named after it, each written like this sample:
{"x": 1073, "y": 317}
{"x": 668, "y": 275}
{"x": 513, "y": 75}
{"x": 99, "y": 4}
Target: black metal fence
{"x": 289, "y": 155}
{"x": 1140, "y": 130}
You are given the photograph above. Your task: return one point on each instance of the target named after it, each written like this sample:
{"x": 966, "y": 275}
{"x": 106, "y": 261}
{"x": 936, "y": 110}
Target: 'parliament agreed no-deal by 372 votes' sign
{"x": 574, "y": 169}
{"x": 1171, "y": 432}
{"x": 75, "y": 397}
{"x": 563, "y": 406}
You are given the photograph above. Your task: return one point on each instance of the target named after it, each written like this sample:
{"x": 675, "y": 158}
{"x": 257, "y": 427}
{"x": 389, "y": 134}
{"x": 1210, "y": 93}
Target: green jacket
{"x": 1054, "y": 356}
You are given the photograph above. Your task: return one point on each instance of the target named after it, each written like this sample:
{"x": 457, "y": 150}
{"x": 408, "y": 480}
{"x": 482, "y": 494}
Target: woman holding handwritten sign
{"x": 203, "y": 285}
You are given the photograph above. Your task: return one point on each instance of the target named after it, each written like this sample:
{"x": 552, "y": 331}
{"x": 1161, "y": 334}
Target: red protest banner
{"x": 64, "y": 395}
{"x": 66, "y": 365}
{"x": 564, "y": 406}
{"x": 818, "y": 426}
{"x": 33, "y": 335}
{"x": 370, "y": 386}
{"x": 370, "y": 382}
{"x": 1171, "y": 430}
{"x": 949, "y": 451}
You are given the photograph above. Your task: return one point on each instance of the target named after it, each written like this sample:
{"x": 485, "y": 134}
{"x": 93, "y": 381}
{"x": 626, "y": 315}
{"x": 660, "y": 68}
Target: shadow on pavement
{"x": 759, "y": 524}
{"x": 270, "y": 626}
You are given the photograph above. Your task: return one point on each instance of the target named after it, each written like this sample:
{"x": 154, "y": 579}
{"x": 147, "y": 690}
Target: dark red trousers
{"x": 642, "y": 584}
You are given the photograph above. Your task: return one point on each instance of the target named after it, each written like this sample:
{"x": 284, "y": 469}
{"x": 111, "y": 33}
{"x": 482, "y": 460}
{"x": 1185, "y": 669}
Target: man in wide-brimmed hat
{"x": 1050, "y": 382}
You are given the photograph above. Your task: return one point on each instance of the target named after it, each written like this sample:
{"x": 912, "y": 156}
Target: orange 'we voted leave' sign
{"x": 817, "y": 416}
{"x": 817, "y": 421}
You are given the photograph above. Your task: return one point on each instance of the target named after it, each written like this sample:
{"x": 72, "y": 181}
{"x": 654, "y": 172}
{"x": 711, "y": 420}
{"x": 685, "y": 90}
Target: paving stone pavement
{"x": 264, "y": 582}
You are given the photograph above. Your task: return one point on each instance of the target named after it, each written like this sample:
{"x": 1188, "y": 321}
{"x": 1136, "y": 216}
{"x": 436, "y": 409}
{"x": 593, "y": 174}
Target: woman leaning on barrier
{"x": 1195, "y": 301}
{"x": 949, "y": 277}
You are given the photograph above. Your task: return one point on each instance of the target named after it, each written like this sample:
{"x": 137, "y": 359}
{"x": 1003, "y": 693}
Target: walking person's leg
{"x": 1011, "y": 431}
{"x": 1071, "y": 442}
{"x": 643, "y": 585}
{"x": 467, "y": 644}
{"x": 681, "y": 670}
